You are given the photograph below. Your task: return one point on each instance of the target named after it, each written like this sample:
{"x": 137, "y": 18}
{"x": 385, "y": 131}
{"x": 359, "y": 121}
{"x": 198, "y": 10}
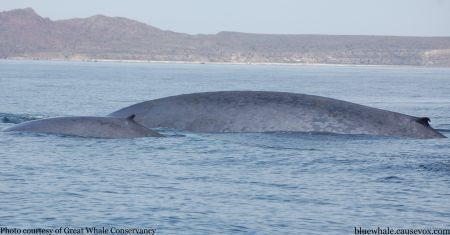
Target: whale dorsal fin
{"x": 424, "y": 121}
{"x": 131, "y": 117}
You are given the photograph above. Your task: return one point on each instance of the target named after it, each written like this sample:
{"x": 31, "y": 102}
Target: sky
{"x": 341, "y": 17}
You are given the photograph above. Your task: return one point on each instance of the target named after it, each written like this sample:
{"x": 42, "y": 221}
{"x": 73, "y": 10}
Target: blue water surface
{"x": 193, "y": 183}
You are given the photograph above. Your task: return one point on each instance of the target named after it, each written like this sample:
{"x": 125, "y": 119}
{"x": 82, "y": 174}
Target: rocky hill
{"x": 24, "y": 34}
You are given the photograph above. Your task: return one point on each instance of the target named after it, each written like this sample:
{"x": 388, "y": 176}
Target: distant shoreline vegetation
{"x": 26, "y": 35}
{"x": 206, "y": 63}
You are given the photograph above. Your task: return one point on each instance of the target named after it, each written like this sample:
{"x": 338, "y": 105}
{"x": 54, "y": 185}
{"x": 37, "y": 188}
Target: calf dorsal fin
{"x": 131, "y": 117}
{"x": 424, "y": 121}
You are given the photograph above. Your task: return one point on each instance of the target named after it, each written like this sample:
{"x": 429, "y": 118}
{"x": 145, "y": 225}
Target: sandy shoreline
{"x": 215, "y": 63}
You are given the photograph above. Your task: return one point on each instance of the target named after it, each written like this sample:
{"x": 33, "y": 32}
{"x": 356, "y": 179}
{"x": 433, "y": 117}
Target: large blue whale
{"x": 263, "y": 111}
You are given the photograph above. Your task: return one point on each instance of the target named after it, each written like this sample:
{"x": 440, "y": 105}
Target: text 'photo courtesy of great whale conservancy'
{"x": 224, "y": 117}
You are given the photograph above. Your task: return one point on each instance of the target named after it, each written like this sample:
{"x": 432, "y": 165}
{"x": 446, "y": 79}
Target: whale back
{"x": 96, "y": 127}
{"x": 263, "y": 111}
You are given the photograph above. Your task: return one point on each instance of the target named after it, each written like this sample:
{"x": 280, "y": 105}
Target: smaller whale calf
{"x": 94, "y": 127}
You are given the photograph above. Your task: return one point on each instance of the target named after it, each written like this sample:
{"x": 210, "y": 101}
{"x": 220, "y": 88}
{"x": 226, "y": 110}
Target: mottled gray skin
{"x": 262, "y": 111}
{"x": 94, "y": 127}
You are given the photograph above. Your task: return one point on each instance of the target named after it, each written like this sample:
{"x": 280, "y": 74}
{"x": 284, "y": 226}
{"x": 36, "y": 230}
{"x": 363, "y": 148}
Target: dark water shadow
{"x": 18, "y": 118}
{"x": 442, "y": 167}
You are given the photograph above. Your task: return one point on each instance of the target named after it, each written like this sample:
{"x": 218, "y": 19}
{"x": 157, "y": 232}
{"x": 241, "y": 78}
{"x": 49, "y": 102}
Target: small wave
{"x": 444, "y": 130}
{"x": 328, "y": 136}
{"x": 169, "y": 132}
{"x": 443, "y": 167}
{"x": 391, "y": 179}
{"x": 18, "y": 118}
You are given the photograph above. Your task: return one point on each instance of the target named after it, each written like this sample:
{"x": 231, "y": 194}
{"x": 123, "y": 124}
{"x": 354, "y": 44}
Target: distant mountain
{"x": 24, "y": 34}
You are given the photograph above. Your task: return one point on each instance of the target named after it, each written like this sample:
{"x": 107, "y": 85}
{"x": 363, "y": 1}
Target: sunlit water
{"x": 191, "y": 183}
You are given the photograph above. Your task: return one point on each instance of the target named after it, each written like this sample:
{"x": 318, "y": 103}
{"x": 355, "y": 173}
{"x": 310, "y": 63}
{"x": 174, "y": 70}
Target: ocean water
{"x": 194, "y": 183}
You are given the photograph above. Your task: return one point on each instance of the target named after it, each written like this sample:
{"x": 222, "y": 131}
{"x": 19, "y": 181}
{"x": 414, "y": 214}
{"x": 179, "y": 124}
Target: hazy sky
{"x": 367, "y": 17}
